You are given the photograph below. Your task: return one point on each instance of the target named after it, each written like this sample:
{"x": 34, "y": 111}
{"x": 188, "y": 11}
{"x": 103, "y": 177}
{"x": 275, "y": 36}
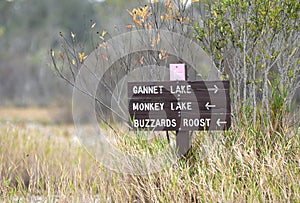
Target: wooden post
{"x": 183, "y": 142}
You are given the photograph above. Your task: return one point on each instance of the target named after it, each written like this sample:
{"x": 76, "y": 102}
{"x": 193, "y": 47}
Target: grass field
{"x": 40, "y": 162}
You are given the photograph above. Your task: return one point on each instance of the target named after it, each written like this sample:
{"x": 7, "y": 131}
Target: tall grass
{"x": 36, "y": 164}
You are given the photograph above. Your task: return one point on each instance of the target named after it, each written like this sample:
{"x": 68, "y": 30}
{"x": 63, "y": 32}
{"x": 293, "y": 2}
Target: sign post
{"x": 183, "y": 141}
{"x": 180, "y": 106}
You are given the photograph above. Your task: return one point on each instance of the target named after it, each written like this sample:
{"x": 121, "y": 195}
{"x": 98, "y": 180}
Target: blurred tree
{"x": 27, "y": 29}
{"x": 113, "y": 13}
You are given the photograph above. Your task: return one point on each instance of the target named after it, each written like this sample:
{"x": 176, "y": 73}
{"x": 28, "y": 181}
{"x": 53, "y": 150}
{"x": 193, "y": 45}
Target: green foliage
{"x": 279, "y": 108}
{"x": 256, "y": 43}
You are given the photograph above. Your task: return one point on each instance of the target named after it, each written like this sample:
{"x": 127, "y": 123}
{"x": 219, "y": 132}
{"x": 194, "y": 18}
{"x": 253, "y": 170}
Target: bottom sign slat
{"x": 180, "y": 122}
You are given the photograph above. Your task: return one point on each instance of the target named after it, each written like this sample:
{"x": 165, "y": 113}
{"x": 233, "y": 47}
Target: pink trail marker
{"x": 177, "y": 72}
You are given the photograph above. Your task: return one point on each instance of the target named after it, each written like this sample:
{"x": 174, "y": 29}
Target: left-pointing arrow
{"x": 207, "y": 105}
{"x": 219, "y": 122}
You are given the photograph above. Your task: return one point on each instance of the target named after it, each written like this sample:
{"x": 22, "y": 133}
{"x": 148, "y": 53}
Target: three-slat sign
{"x": 180, "y": 106}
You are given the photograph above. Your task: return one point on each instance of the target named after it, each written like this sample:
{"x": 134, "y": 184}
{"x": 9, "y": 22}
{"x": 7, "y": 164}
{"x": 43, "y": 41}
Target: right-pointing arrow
{"x": 215, "y": 89}
{"x": 219, "y": 122}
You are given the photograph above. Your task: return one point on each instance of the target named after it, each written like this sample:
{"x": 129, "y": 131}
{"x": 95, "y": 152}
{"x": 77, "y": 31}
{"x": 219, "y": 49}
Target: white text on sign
{"x": 158, "y": 89}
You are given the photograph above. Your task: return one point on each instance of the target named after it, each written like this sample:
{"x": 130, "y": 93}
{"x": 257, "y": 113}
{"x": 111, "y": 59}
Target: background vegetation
{"x": 29, "y": 28}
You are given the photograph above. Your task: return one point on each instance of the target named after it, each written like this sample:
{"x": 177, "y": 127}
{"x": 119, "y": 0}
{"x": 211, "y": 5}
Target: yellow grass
{"x": 26, "y": 114}
{"x": 44, "y": 163}
{"x": 35, "y": 114}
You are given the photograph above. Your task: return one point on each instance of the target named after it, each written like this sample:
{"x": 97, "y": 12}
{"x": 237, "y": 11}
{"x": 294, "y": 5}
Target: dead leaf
{"x": 141, "y": 61}
{"x": 104, "y": 57}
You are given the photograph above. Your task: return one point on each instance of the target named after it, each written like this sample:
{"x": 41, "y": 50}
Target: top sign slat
{"x": 215, "y": 88}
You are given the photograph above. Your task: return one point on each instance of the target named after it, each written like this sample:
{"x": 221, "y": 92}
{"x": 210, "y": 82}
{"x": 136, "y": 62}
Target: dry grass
{"x": 43, "y": 163}
{"x": 26, "y": 114}
{"x": 36, "y": 114}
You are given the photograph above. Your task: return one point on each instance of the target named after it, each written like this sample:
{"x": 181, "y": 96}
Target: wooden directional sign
{"x": 179, "y": 105}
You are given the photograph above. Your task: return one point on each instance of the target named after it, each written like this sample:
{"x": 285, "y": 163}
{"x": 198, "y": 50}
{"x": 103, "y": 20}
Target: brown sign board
{"x": 179, "y": 105}
{"x": 203, "y": 105}
{"x": 183, "y": 122}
